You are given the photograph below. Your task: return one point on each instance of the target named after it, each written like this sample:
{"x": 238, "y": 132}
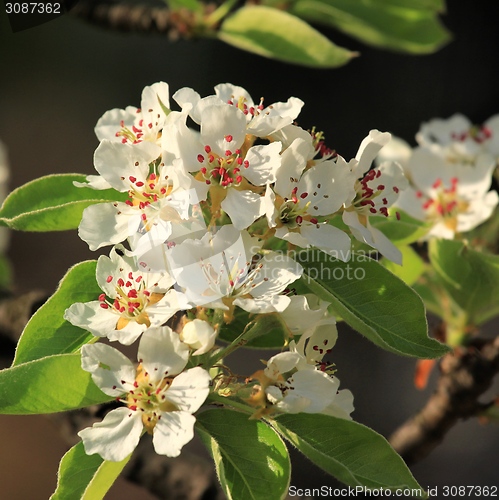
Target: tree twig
{"x": 128, "y": 17}
{"x": 465, "y": 374}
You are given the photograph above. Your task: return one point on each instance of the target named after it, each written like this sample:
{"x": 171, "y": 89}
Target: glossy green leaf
{"x": 401, "y": 232}
{"x": 87, "y": 477}
{"x": 379, "y": 23}
{"x": 372, "y": 301}
{"x": 470, "y": 277}
{"x": 47, "y": 332}
{"x": 51, "y": 203}
{"x": 48, "y": 385}
{"x": 274, "y": 336}
{"x": 351, "y": 452}
{"x": 412, "y": 266}
{"x": 277, "y": 34}
{"x": 251, "y": 459}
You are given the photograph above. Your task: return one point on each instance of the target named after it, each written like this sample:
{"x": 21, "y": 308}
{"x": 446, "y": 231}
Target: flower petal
{"x": 172, "y": 432}
{"x": 190, "y": 389}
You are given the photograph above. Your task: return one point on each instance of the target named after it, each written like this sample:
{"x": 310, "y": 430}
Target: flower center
{"x": 131, "y": 300}
{"x": 149, "y": 398}
{"x": 370, "y": 192}
{"x": 140, "y": 130}
{"x": 222, "y": 170}
{"x": 240, "y": 103}
{"x": 445, "y": 204}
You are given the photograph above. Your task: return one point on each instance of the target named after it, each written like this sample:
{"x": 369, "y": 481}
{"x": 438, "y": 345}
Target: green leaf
{"x": 47, "y": 332}
{"x": 83, "y": 476}
{"x": 52, "y": 203}
{"x": 372, "y": 301}
{"x": 412, "y": 266}
{"x": 276, "y": 34}
{"x": 251, "y": 459}
{"x": 401, "y": 232}
{"x": 351, "y": 452}
{"x": 275, "y": 330}
{"x": 48, "y": 385}
{"x": 377, "y": 22}
{"x": 471, "y": 278}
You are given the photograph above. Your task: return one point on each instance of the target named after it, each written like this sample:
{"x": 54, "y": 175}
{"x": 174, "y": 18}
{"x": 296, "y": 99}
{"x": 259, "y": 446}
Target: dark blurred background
{"x": 60, "y": 77}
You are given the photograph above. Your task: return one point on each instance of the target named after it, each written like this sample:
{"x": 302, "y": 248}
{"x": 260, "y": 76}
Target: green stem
{"x": 240, "y": 341}
{"x": 216, "y": 398}
{"x": 217, "y": 15}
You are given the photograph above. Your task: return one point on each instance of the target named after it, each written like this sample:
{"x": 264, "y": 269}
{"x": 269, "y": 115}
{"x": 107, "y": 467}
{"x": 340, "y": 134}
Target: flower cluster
{"x": 198, "y": 218}
{"x": 450, "y": 174}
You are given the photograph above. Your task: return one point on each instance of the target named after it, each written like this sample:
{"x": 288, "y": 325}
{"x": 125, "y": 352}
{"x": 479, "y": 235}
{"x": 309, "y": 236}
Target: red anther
{"x": 487, "y": 132}
{"x": 252, "y": 110}
{"x": 122, "y": 123}
{"x": 245, "y": 111}
{"x": 236, "y": 170}
{"x": 260, "y": 107}
{"x": 104, "y": 305}
{"x": 239, "y": 179}
{"x": 454, "y": 181}
{"x": 378, "y": 173}
{"x": 143, "y": 216}
{"x": 109, "y": 279}
{"x": 384, "y": 211}
{"x": 437, "y": 183}
{"x": 149, "y": 125}
{"x": 230, "y": 102}
{"x": 381, "y": 187}
{"x": 128, "y": 284}
{"x": 207, "y": 149}
{"x": 141, "y": 205}
{"x": 139, "y": 184}
{"x": 207, "y": 181}
{"x": 132, "y": 294}
{"x": 228, "y": 152}
{"x": 385, "y": 201}
{"x": 131, "y": 309}
{"x": 200, "y": 158}
{"x": 117, "y": 134}
{"x": 299, "y": 219}
{"x": 152, "y": 185}
{"x": 397, "y": 214}
{"x": 313, "y": 220}
{"x": 303, "y": 195}
{"x": 135, "y": 384}
{"x": 440, "y": 209}
{"x": 419, "y": 194}
{"x": 372, "y": 210}
{"x": 163, "y": 190}
{"x": 221, "y": 171}
{"x": 146, "y": 293}
{"x": 135, "y": 129}
{"x": 396, "y": 189}
{"x": 141, "y": 122}
{"x": 203, "y": 170}
{"x": 153, "y": 176}
{"x": 211, "y": 158}
{"x": 116, "y": 304}
{"x": 102, "y": 297}
{"x": 132, "y": 179}
{"x": 122, "y": 309}
{"x": 451, "y": 205}
{"x": 129, "y": 203}
{"x": 238, "y": 152}
{"x": 121, "y": 282}
{"x": 427, "y": 204}
{"x": 138, "y": 279}
{"x": 246, "y": 163}
{"x": 228, "y": 138}
{"x": 133, "y": 407}
{"x": 124, "y": 140}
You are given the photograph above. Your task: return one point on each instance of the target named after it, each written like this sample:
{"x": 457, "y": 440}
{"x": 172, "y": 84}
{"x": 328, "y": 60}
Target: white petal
{"x": 342, "y": 405}
{"x": 109, "y": 124}
{"x": 263, "y": 164}
{"x": 228, "y": 92}
{"x": 243, "y": 207}
{"x": 368, "y": 149}
{"x": 303, "y": 312}
{"x": 220, "y": 122}
{"x": 107, "y": 224}
{"x": 94, "y": 182}
{"x": 293, "y": 162}
{"x": 115, "y": 437}
{"x": 190, "y": 389}
{"x": 329, "y": 239}
{"x": 111, "y": 370}
{"x": 90, "y": 316}
{"x": 199, "y": 335}
{"x": 263, "y": 305}
{"x": 478, "y": 211}
{"x": 282, "y": 363}
{"x": 162, "y": 353}
{"x": 128, "y": 334}
{"x": 172, "y": 432}
{"x": 152, "y": 98}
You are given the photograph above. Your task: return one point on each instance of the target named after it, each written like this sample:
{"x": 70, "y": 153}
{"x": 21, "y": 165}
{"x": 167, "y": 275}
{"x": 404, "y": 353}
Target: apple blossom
{"x": 160, "y": 397}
